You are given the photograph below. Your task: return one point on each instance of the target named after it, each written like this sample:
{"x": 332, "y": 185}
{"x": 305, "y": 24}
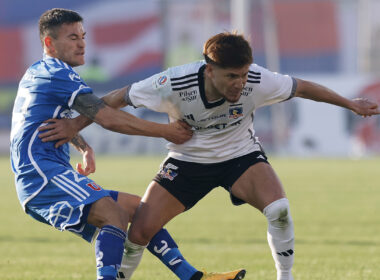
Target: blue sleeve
{"x": 67, "y": 84}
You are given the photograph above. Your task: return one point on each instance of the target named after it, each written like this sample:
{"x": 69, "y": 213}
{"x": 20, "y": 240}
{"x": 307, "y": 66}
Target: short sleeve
{"x": 152, "y": 92}
{"x": 68, "y": 84}
{"x": 274, "y": 87}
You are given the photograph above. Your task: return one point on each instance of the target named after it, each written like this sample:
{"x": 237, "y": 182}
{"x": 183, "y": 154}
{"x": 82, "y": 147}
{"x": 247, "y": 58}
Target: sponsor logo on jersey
{"x": 217, "y": 126}
{"x": 168, "y": 172}
{"x": 235, "y": 112}
{"x": 74, "y": 76}
{"x": 160, "y": 81}
{"x": 247, "y": 91}
{"x": 188, "y": 95}
{"x": 213, "y": 118}
{"x": 66, "y": 114}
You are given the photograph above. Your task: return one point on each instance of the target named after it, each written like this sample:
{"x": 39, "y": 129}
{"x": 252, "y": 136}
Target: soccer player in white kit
{"x": 218, "y": 97}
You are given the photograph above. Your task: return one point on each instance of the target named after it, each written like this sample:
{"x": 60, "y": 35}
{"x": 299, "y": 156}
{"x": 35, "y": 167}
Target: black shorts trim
{"x": 189, "y": 182}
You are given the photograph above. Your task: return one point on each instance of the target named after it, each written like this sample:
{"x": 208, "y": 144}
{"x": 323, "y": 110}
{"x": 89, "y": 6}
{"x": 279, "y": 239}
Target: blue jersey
{"x": 47, "y": 90}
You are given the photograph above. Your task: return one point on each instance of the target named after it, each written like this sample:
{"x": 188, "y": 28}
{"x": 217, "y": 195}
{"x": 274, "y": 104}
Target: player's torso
{"x": 222, "y": 130}
{"x": 43, "y": 94}
{"x": 38, "y": 98}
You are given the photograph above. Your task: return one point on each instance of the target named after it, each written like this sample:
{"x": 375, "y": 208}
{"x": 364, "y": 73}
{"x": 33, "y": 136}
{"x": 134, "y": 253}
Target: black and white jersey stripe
{"x": 254, "y": 77}
{"x": 184, "y": 82}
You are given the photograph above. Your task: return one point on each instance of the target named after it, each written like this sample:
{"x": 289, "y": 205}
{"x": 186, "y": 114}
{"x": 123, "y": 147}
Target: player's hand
{"x": 365, "y": 107}
{"x": 62, "y": 130}
{"x": 88, "y": 166}
{"x": 178, "y": 132}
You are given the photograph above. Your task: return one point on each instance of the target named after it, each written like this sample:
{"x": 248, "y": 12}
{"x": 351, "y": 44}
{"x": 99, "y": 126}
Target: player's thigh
{"x": 106, "y": 211}
{"x": 258, "y": 186}
{"x": 157, "y": 207}
{"x": 129, "y": 202}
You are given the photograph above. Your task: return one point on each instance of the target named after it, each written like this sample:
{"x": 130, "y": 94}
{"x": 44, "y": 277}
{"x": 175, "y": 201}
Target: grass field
{"x": 335, "y": 206}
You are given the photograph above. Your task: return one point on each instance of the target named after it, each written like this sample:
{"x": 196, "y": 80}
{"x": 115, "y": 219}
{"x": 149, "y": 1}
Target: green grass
{"x": 334, "y": 203}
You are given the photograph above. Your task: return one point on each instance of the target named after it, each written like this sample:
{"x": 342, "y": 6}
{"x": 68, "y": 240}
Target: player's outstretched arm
{"x": 64, "y": 130}
{"x": 317, "y": 92}
{"x": 95, "y": 109}
{"x": 115, "y": 98}
{"x": 123, "y": 122}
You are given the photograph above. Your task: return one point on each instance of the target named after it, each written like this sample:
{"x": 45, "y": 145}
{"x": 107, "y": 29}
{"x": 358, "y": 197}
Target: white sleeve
{"x": 274, "y": 88}
{"x": 151, "y": 93}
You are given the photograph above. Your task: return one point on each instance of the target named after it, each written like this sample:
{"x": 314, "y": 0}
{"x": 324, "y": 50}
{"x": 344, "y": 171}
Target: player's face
{"x": 69, "y": 46}
{"x": 228, "y": 82}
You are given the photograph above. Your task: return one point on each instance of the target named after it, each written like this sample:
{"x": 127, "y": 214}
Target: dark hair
{"x": 228, "y": 50}
{"x": 52, "y": 19}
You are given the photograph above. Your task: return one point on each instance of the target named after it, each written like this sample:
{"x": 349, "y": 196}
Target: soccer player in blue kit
{"x": 49, "y": 189}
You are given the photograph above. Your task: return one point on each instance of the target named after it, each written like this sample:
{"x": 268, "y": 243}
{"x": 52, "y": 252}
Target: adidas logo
{"x": 286, "y": 253}
{"x": 261, "y": 156}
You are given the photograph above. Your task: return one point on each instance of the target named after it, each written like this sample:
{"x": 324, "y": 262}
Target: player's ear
{"x": 208, "y": 70}
{"x": 48, "y": 43}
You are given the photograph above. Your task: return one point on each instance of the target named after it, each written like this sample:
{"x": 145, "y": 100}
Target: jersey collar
{"x": 202, "y": 92}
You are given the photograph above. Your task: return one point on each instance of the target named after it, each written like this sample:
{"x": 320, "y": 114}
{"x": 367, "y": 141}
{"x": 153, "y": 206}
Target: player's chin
{"x": 233, "y": 99}
{"x": 79, "y": 60}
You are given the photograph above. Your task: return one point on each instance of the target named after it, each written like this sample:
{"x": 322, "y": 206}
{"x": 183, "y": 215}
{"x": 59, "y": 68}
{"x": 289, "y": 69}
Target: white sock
{"x": 131, "y": 258}
{"x": 281, "y": 237}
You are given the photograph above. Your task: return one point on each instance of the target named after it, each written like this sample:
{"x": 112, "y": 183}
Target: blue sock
{"x": 109, "y": 247}
{"x": 163, "y": 247}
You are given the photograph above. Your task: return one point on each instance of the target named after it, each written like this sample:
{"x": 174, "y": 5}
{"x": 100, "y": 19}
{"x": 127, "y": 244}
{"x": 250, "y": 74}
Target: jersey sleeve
{"x": 68, "y": 85}
{"x": 151, "y": 93}
{"x": 274, "y": 87}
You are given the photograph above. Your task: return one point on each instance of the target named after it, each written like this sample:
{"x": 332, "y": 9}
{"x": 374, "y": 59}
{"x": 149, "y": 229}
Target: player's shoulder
{"x": 258, "y": 74}
{"x": 59, "y": 70}
{"x": 256, "y": 69}
{"x": 185, "y": 76}
{"x": 185, "y": 71}
{"x": 255, "y": 73}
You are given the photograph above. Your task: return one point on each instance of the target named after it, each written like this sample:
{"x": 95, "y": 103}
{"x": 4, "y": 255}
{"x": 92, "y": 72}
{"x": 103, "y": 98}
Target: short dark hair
{"x": 228, "y": 50}
{"x": 52, "y": 19}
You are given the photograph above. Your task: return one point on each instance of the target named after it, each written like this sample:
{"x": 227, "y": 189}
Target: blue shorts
{"x": 65, "y": 202}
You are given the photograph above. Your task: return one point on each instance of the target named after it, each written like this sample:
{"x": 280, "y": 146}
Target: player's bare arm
{"x": 319, "y": 93}
{"x": 115, "y": 98}
{"x": 123, "y": 122}
{"x": 87, "y": 153}
{"x": 98, "y": 111}
{"x": 79, "y": 143}
{"x": 65, "y": 129}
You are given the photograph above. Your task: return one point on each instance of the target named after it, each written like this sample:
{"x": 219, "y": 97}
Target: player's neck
{"x": 212, "y": 94}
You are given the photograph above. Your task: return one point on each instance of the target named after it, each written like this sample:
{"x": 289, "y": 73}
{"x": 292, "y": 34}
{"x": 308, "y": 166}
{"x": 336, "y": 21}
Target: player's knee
{"x": 123, "y": 218}
{"x": 117, "y": 217}
{"x": 278, "y": 213}
{"x": 107, "y": 212}
{"x": 141, "y": 233}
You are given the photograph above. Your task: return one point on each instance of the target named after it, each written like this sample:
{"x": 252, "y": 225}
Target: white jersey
{"x": 222, "y": 130}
